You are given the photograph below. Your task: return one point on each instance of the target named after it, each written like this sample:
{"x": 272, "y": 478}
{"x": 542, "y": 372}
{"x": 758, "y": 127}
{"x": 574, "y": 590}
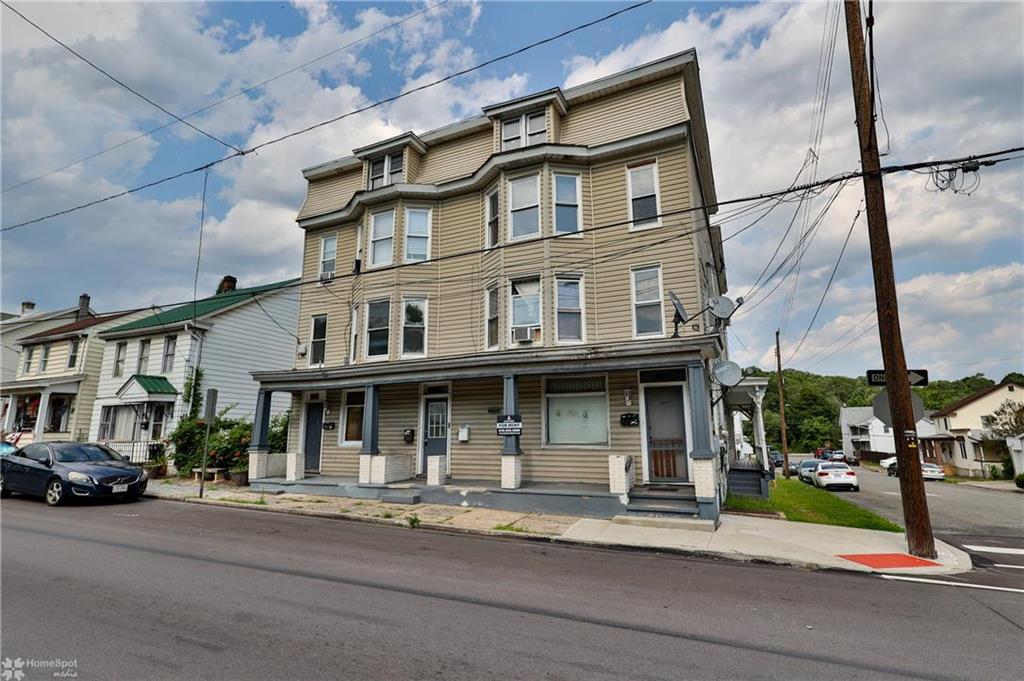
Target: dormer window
{"x": 386, "y": 170}
{"x": 523, "y": 131}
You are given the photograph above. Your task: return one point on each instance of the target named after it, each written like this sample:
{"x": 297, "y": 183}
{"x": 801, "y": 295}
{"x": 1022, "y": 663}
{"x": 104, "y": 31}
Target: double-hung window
{"x": 108, "y": 422}
{"x": 648, "y": 317}
{"x": 28, "y": 360}
{"x": 142, "y": 365}
{"x": 414, "y": 327}
{"x": 318, "y": 340}
{"x": 73, "y": 352}
{"x": 417, "y": 234}
{"x": 576, "y": 411}
{"x": 386, "y": 170}
{"x": 524, "y": 207}
{"x": 328, "y": 256}
{"x": 569, "y": 295}
{"x": 567, "y": 204}
{"x": 170, "y": 348}
{"x": 353, "y": 334}
{"x": 382, "y": 238}
{"x": 525, "y": 299}
{"x": 492, "y": 300}
{"x": 492, "y": 219}
{"x": 644, "y": 203}
{"x": 120, "y": 350}
{"x": 352, "y": 418}
{"x": 44, "y": 358}
{"x": 522, "y": 131}
{"x": 378, "y": 321}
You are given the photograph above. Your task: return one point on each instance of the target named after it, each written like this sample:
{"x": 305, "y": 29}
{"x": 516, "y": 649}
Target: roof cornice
{"x": 534, "y": 101}
{"x": 389, "y": 145}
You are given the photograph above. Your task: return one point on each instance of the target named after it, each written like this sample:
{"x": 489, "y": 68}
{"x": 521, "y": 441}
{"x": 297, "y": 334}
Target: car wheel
{"x": 856, "y": 488}
{"x": 4, "y": 492}
{"x": 55, "y": 492}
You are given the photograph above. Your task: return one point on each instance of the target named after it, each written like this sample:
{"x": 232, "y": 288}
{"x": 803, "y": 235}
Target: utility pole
{"x": 782, "y": 407}
{"x": 915, "y": 506}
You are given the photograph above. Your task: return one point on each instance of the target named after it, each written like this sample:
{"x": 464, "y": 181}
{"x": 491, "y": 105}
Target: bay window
{"x": 648, "y": 316}
{"x": 567, "y": 204}
{"x": 644, "y": 203}
{"x": 378, "y": 321}
{"x": 328, "y": 256}
{"x": 414, "y": 327}
{"x": 569, "y": 297}
{"x": 576, "y": 411}
{"x": 382, "y": 238}
{"x": 417, "y": 234}
{"x": 318, "y": 340}
{"x": 525, "y": 305}
{"x": 524, "y": 207}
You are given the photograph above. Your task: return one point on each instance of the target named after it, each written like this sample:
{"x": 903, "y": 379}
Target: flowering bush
{"x": 229, "y": 443}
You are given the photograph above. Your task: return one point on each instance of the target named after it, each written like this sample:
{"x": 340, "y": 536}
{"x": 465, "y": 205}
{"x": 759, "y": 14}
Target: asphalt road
{"x": 165, "y": 590}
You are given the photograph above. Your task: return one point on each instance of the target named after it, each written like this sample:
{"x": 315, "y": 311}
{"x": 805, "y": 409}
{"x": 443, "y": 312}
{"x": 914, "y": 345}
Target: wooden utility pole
{"x": 915, "y": 504}
{"x": 782, "y": 406}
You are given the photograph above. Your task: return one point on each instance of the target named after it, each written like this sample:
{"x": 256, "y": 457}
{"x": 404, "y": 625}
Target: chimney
{"x": 228, "y": 283}
{"x": 27, "y": 306}
{"x": 83, "y": 306}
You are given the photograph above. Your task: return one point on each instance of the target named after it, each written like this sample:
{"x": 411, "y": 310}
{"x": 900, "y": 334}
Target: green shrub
{"x": 995, "y": 473}
{"x": 1008, "y": 472}
{"x": 229, "y": 443}
{"x": 1019, "y": 480}
{"x": 277, "y": 435}
{"x": 187, "y": 438}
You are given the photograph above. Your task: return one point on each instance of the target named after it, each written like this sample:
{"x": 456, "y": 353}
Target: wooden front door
{"x": 666, "y": 433}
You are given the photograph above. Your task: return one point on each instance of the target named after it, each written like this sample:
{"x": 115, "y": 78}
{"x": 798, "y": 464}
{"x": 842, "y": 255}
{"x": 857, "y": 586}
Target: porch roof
{"x": 68, "y": 382}
{"x": 648, "y": 354}
{"x": 140, "y": 388}
{"x": 743, "y": 393}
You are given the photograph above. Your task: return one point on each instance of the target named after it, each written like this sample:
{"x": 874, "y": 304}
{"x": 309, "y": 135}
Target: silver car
{"x": 807, "y": 469}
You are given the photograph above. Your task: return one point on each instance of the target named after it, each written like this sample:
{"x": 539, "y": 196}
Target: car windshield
{"x": 80, "y": 452}
{"x": 834, "y": 466}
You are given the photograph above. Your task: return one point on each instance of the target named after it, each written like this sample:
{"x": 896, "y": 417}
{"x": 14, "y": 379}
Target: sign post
{"x": 211, "y": 414}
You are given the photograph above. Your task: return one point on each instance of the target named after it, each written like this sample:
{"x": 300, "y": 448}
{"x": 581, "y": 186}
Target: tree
{"x": 1014, "y": 376}
{"x": 1008, "y": 420}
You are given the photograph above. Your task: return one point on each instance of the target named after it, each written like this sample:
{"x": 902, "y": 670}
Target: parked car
{"x": 807, "y": 468}
{"x": 931, "y": 471}
{"x": 775, "y": 458}
{"x": 837, "y": 456}
{"x": 888, "y": 464}
{"x": 794, "y": 467}
{"x": 6, "y": 448}
{"x": 824, "y": 455}
{"x": 836, "y": 476}
{"x": 59, "y": 471}
{"x": 852, "y": 460}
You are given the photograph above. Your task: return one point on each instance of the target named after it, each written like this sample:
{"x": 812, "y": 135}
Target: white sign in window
{"x": 525, "y": 295}
{"x": 576, "y": 411}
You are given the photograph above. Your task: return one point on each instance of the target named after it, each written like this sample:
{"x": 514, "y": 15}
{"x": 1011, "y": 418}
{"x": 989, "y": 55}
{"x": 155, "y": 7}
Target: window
{"x": 568, "y": 292}
{"x": 353, "y": 334}
{"x": 417, "y": 234}
{"x": 73, "y": 353}
{"x": 318, "y": 340}
{"x": 492, "y": 219}
{"x": 963, "y": 450}
{"x": 576, "y": 411}
{"x": 525, "y": 309}
{"x": 352, "y": 418}
{"x": 142, "y": 365}
{"x": 382, "y": 238}
{"x": 524, "y": 207}
{"x": 512, "y": 129}
{"x": 44, "y": 358}
{"x": 647, "y": 312}
{"x": 567, "y": 204}
{"x": 328, "y": 256}
{"x": 119, "y": 352}
{"x": 28, "y": 360}
{"x": 57, "y": 420}
{"x": 108, "y": 422}
{"x": 378, "y": 318}
{"x": 414, "y": 327}
{"x": 386, "y": 170}
{"x": 156, "y": 425}
{"x": 644, "y": 205}
{"x": 170, "y": 348}
{"x": 492, "y": 317}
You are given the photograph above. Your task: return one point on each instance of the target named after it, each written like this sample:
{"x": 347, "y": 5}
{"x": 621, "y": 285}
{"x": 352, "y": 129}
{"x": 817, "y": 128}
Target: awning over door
{"x": 143, "y": 388}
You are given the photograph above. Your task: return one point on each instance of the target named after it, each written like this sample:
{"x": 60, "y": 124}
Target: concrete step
{"x": 670, "y": 523}
{"x": 682, "y": 493}
{"x": 401, "y": 496}
{"x": 667, "y": 506}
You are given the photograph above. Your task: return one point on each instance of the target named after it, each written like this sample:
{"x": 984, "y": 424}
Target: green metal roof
{"x": 153, "y": 385}
{"x": 203, "y": 307}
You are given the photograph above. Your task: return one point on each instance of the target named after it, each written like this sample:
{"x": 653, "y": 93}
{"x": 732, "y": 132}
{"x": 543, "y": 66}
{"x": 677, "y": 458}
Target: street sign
{"x": 211, "y": 405}
{"x": 509, "y": 425}
{"x": 918, "y": 377}
{"x": 881, "y": 410}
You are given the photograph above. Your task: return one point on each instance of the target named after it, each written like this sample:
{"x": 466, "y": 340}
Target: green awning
{"x": 151, "y": 385}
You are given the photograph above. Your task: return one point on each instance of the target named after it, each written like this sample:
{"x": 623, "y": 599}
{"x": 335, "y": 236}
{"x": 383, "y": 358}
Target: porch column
{"x": 12, "y": 412}
{"x": 703, "y": 456}
{"x": 759, "y": 437}
{"x": 44, "y": 407}
{"x": 511, "y": 454}
{"x": 371, "y": 407}
{"x": 734, "y": 453}
{"x": 261, "y": 421}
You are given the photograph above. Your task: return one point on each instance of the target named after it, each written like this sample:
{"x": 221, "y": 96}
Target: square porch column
{"x": 759, "y": 436}
{"x": 703, "y": 455}
{"x": 41, "y": 416}
{"x": 511, "y": 454}
{"x": 371, "y": 441}
{"x": 12, "y": 412}
{"x": 259, "y": 451}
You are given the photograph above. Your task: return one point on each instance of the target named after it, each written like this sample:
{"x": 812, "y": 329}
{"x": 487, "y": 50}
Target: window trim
{"x": 544, "y": 440}
{"x": 334, "y": 271}
{"x": 44, "y": 357}
{"x": 540, "y": 309}
{"x": 405, "y": 232}
{"x": 508, "y": 209}
{"x": 579, "y": 279}
{"x": 386, "y": 176}
{"x": 633, "y": 302}
{"x": 495, "y": 288}
{"x": 630, "y": 167}
{"x": 373, "y": 242}
{"x": 524, "y": 132}
{"x": 343, "y": 419}
{"x": 29, "y": 354}
{"x": 312, "y": 329}
{"x": 119, "y": 357}
{"x": 74, "y": 347}
{"x": 167, "y": 358}
{"x": 367, "y": 357}
{"x": 578, "y": 176}
{"x": 139, "y": 367}
{"x": 488, "y": 218}
{"x": 402, "y": 354}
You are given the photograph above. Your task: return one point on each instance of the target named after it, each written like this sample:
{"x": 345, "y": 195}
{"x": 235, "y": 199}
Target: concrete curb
{"x": 974, "y": 485}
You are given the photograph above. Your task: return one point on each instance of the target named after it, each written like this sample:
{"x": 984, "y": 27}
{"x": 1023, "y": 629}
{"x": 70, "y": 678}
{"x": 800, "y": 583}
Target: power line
{"x": 238, "y": 93}
{"x": 842, "y": 335}
{"x": 845, "y": 345}
{"x": 116, "y": 80}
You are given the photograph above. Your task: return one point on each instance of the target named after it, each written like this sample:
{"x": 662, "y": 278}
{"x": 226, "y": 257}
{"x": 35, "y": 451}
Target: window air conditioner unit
{"x": 326, "y": 277}
{"x": 523, "y": 334}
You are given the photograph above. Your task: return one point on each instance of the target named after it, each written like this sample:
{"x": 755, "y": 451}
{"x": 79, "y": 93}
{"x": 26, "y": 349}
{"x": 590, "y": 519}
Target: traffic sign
{"x": 918, "y": 377}
{"x": 880, "y": 407}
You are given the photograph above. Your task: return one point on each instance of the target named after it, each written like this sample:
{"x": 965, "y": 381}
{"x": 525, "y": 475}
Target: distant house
{"x": 962, "y": 430}
{"x": 148, "y": 362}
{"x": 867, "y": 437}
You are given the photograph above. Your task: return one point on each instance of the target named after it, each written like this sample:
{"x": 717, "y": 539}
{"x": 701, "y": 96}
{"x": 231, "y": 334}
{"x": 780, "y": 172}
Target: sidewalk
{"x": 994, "y": 485}
{"x": 737, "y": 538}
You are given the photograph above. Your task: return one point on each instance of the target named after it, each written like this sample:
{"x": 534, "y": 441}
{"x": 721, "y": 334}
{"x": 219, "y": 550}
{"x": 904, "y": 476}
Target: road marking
{"x": 943, "y": 582}
{"x": 927, "y": 494}
{"x": 1004, "y": 565}
{"x": 994, "y": 549}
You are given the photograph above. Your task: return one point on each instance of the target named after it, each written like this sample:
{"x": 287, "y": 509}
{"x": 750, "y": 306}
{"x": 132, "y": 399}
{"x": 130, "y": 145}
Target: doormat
{"x": 882, "y": 561}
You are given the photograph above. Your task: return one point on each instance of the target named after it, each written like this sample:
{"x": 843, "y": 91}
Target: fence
{"x": 138, "y": 451}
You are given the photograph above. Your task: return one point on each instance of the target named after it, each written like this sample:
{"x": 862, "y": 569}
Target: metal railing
{"x": 138, "y": 451}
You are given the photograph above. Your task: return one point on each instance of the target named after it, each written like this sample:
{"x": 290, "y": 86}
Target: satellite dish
{"x": 727, "y": 373}
{"x": 721, "y": 307}
{"x": 680, "y": 316}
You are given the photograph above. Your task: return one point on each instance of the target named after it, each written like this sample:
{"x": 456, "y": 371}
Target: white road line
{"x": 1004, "y": 565}
{"x": 943, "y": 582}
{"x": 927, "y": 494}
{"x": 995, "y": 549}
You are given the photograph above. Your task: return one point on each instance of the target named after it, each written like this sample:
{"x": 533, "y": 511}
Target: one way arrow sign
{"x": 918, "y": 377}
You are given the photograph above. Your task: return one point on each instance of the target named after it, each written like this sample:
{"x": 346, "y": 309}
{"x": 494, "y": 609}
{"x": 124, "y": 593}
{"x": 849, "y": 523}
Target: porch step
{"x": 669, "y": 523}
{"x": 672, "y": 493}
{"x": 683, "y": 507}
{"x": 745, "y": 481}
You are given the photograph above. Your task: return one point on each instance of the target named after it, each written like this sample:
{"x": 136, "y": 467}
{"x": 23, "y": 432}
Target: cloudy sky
{"x": 951, "y": 83}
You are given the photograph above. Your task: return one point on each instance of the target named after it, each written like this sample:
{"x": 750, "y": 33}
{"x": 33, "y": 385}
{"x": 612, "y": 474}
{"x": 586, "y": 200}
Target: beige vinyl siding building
{"x": 519, "y": 263}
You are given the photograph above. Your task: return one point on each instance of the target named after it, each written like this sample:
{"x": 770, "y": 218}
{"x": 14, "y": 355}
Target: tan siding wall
{"x": 457, "y": 158}
{"x": 652, "y": 106}
{"x": 332, "y": 193}
{"x": 413, "y": 160}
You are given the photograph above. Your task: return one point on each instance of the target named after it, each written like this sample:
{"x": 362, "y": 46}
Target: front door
{"x": 314, "y": 434}
{"x": 666, "y": 433}
{"x": 435, "y": 422}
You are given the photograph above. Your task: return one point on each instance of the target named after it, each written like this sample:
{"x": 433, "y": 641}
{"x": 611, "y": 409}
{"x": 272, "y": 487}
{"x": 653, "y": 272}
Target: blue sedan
{"x": 58, "y": 471}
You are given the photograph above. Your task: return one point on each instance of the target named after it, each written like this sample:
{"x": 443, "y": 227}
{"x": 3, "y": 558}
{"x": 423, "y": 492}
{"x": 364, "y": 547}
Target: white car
{"x": 887, "y": 463}
{"x": 930, "y": 471}
{"x": 836, "y": 476}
